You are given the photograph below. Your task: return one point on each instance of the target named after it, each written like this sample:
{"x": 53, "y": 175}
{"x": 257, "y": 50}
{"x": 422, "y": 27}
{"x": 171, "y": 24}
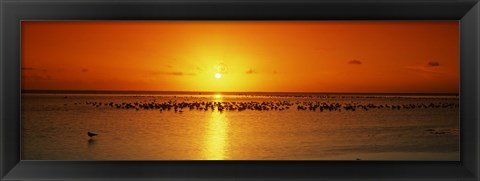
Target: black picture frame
{"x": 12, "y": 12}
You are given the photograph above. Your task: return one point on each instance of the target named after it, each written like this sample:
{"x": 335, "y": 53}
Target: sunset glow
{"x": 242, "y": 56}
{"x": 240, "y": 90}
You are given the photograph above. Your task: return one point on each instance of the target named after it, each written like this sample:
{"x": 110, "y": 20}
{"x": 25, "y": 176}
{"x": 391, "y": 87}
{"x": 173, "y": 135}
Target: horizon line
{"x": 227, "y": 92}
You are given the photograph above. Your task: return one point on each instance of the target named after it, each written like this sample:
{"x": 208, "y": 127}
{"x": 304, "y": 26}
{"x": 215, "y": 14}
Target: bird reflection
{"x": 91, "y": 149}
{"x": 91, "y": 142}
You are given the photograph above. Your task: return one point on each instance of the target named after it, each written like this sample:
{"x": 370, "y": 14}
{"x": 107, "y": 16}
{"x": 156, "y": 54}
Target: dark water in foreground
{"x": 423, "y": 127}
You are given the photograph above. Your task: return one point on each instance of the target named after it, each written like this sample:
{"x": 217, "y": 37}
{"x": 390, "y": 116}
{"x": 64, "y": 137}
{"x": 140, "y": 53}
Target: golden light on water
{"x": 216, "y": 136}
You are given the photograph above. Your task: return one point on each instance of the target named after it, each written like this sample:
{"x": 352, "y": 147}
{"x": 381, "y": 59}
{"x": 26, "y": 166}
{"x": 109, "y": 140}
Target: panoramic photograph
{"x": 240, "y": 90}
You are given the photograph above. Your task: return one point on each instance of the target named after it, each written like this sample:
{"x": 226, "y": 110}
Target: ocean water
{"x": 239, "y": 127}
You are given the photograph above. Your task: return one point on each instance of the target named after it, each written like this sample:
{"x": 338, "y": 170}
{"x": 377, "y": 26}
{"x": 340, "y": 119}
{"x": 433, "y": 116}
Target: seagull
{"x": 92, "y": 134}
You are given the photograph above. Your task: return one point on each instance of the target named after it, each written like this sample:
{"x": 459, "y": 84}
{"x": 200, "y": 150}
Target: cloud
{"x": 33, "y": 69}
{"x": 84, "y": 70}
{"x": 220, "y": 68}
{"x": 250, "y": 71}
{"x": 355, "y": 62}
{"x": 171, "y": 73}
{"x": 38, "y": 77}
{"x": 176, "y": 73}
{"x": 433, "y": 64}
{"x": 429, "y": 67}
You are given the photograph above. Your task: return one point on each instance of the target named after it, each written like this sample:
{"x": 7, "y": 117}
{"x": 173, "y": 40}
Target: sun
{"x": 218, "y": 75}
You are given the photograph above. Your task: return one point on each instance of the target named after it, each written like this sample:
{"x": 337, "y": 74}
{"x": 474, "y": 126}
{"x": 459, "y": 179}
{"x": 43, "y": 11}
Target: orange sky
{"x": 259, "y": 56}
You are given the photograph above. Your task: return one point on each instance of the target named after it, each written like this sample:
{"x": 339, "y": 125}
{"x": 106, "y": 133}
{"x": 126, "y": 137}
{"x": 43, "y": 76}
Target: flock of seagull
{"x": 262, "y": 106}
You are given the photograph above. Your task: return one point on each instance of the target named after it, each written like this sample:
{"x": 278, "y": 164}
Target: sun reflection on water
{"x": 216, "y": 137}
{"x": 218, "y": 97}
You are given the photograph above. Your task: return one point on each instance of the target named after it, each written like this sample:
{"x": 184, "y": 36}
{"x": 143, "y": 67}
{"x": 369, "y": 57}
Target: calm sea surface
{"x": 55, "y": 126}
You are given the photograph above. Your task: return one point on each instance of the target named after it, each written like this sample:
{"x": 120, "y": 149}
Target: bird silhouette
{"x": 91, "y": 134}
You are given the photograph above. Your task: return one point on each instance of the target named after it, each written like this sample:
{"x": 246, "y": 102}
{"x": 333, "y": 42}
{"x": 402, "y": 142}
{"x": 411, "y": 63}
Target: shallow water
{"x": 55, "y": 126}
